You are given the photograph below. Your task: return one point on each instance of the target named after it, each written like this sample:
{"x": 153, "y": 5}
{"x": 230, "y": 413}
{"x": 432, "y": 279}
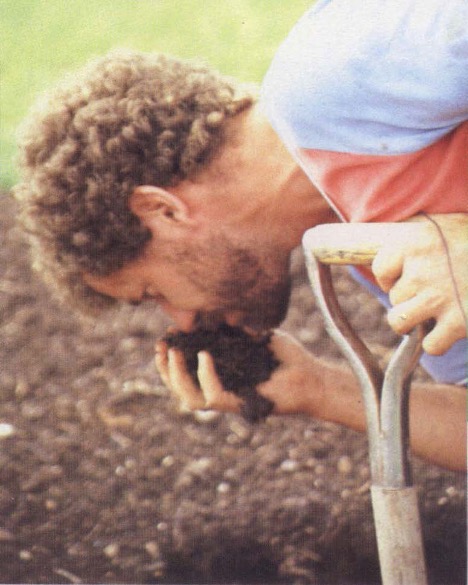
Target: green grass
{"x": 40, "y": 40}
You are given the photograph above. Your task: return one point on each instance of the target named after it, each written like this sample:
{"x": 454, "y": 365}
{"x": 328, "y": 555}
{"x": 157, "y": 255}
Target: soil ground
{"x": 102, "y": 480}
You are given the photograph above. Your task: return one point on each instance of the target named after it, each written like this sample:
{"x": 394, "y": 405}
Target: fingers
{"x": 448, "y": 326}
{"x": 174, "y": 374}
{"x": 181, "y": 382}
{"x": 387, "y": 267}
{"x": 406, "y": 315}
{"x": 161, "y": 360}
{"x": 403, "y": 291}
{"x": 215, "y": 395}
{"x": 442, "y": 337}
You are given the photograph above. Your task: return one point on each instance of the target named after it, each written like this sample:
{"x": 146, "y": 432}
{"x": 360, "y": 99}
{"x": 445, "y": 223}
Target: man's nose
{"x": 187, "y": 321}
{"x": 184, "y": 320}
{"x": 234, "y": 318}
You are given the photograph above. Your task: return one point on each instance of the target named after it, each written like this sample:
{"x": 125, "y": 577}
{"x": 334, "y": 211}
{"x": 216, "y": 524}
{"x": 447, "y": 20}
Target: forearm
{"x": 327, "y": 391}
{"x": 437, "y": 414}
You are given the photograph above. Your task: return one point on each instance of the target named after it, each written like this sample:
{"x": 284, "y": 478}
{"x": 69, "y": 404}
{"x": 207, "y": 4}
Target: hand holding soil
{"x": 229, "y": 371}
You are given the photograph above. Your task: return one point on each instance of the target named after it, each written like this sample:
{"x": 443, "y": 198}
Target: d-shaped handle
{"x": 385, "y": 394}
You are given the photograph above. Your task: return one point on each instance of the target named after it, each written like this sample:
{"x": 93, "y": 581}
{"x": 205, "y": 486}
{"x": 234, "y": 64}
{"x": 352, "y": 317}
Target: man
{"x": 146, "y": 177}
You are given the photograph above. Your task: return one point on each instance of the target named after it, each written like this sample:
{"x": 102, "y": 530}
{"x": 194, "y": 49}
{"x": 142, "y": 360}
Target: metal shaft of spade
{"x": 386, "y": 397}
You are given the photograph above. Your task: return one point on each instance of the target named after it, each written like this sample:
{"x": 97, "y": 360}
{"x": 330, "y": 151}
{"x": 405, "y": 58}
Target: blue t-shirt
{"x": 371, "y": 77}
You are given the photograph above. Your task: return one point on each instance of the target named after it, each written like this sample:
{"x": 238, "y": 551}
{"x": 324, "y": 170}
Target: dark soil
{"x": 102, "y": 480}
{"x": 241, "y": 362}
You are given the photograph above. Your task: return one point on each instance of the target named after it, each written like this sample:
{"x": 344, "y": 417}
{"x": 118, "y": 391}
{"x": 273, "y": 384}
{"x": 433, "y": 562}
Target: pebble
{"x": 25, "y": 555}
{"x": 152, "y": 548}
{"x": 6, "y": 430}
{"x": 168, "y": 461}
{"x": 289, "y": 465}
{"x": 199, "y": 466}
{"x": 121, "y": 440}
{"x": 223, "y": 487}
{"x": 137, "y": 386}
{"x": 240, "y": 429}
{"x": 69, "y": 576}
{"x": 345, "y": 465}
{"x": 130, "y": 463}
{"x": 128, "y": 344}
{"x": 205, "y": 417}
{"x": 309, "y": 335}
{"x": 111, "y": 550}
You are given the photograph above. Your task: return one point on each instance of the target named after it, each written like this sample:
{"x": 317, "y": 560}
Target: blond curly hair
{"x": 126, "y": 119}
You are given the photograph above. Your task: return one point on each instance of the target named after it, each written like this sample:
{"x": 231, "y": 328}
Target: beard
{"x": 248, "y": 287}
{"x": 241, "y": 279}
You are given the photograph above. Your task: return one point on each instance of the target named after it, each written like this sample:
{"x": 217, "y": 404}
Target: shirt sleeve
{"x": 379, "y": 77}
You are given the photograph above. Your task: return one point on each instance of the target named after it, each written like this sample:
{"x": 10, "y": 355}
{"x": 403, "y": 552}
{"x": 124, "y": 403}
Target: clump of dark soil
{"x": 241, "y": 362}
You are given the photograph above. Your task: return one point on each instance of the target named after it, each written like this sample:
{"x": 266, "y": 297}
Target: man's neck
{"x": 254, "y": 186}
{"x": 294, "y": 204}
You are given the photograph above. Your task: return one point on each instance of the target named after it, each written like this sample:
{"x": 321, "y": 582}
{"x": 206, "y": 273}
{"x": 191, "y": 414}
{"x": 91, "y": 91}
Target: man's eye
{"x": 153, "y": 296}
{"x": 146, "y": 296}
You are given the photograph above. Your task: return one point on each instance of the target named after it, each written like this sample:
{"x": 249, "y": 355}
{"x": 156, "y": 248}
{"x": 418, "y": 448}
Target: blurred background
{"x": 40, "y": 40}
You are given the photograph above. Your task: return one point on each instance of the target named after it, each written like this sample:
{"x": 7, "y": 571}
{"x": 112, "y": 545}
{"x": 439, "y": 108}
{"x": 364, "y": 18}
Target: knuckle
{"x": 397, "y": 323}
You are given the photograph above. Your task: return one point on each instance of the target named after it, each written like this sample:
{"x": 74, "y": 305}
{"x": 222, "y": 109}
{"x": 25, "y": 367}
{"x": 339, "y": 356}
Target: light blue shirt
{"x": 371, "y": 76}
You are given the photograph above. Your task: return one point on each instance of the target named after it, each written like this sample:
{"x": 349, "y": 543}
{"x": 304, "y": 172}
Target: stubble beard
{"x": 239, "y": 279}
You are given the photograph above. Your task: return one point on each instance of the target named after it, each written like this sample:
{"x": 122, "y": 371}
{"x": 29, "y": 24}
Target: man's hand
{"x": 424, "y": 284}
{"x": 326, "y": 391}
{"x": 294, "y": 386}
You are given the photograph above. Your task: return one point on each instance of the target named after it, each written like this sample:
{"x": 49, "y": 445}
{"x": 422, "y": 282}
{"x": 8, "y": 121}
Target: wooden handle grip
{"x": 330, "y": 255}
{"x": 353, "y": 243}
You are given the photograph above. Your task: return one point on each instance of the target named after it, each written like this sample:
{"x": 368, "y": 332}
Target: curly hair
{"x": 126, "y": 119}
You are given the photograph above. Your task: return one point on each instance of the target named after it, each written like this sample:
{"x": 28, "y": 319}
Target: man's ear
{"x": 154, "y": 204}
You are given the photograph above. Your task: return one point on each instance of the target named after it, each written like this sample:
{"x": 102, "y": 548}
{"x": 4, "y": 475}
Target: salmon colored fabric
{"x": 367, "y": 188}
